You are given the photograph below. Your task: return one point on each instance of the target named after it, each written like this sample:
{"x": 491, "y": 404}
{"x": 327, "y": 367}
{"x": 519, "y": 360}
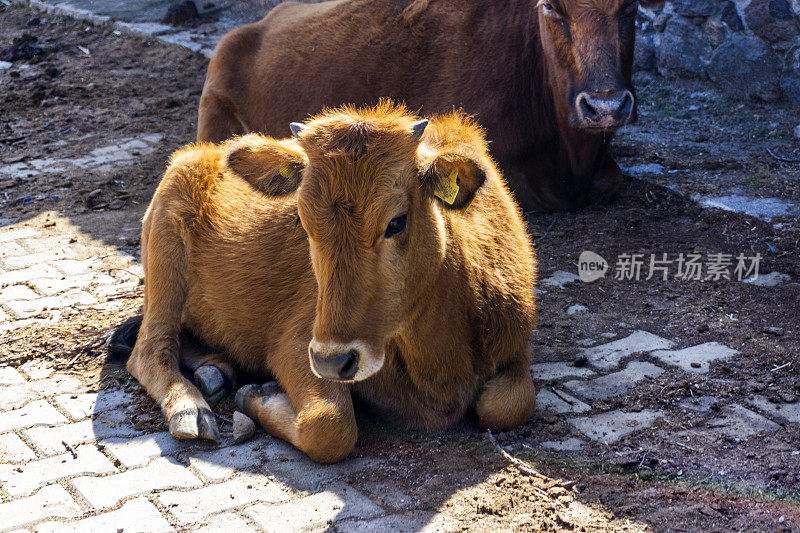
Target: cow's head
{"x": 372, "y": 187}
{"x": 588, "y": 53}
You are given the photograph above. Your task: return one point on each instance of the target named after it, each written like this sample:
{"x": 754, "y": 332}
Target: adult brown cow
{"x": 363, "y": 257}
{"x": 550, "y": 81}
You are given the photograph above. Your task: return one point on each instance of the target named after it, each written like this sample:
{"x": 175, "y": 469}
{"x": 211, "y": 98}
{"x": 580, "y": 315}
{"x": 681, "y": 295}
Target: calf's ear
{"x": 271, "y": 166}
{"x": 453, "y": 179}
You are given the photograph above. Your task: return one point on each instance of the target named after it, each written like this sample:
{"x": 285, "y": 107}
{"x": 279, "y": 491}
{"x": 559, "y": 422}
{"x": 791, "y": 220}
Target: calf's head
{"x": 371, "y": 188}
{"x": 588, "y": 56}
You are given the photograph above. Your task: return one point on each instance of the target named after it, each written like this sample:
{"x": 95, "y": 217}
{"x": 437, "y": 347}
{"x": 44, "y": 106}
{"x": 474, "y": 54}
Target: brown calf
{"x": 550, "y": 81}
{"x": 365, "y": 257}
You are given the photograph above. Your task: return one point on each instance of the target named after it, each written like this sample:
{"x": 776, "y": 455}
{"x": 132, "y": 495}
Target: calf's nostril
{"x": 350, "y": 367}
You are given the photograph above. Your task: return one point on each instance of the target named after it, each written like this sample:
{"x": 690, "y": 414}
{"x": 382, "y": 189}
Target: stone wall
{"x": 747, "y": 48}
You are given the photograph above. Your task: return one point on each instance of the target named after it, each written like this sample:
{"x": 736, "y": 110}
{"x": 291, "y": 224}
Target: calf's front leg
{"x": 313, "y": 414}
{"x": 154, "y": 361}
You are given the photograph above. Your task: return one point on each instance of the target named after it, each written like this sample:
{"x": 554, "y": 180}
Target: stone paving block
{"x": 138, "y": 451}
{"x": 28, "y": 260}
{"x": 11, "y": 233}
{"x": 37, "y": 369}
{"x": 28, "y": 308}
{"x": 17, "y": 170}
{"x": 696, "y": 358}
{"x": 222, "y": 463}
{"x": 51, "y": 286}
{"x": 611, "y": 426}
{"x": 14, "y": 450}
{"x": 160, "y": 474}
{"x": 338, "y": 502}
{"x": 4, "y": 317}
{"x": 26, "y": 274}
{"x": 560, "y": 403}
{"x": 80, "y": 406}
{"x": 402, "y": 523}
{"x": 46, "y": 244}
{"x": 134, "y": 516}
{"x": 15, "y": 396}
{"x": 556, "y": 371}
{"x": 789, "y": 412}
{"x": 608, "y": 356}
{"x": 559, "y": 279}
{"x": 20, "y": 480}
{"x": 50, "y": 441}
{"x": 304, "y": 474}
{"x": 72, "y": 267}
{"x": 701, "y": 404}
{"x": 50, "y": 502}
{"x": 615, "y": 383}
{"x": 194, "y": 505}
{"x": 571, "y": 444}
{"x": 11, "y": 249}
{"x": 17, "y": 292}
{"x": 36, "y": 413}
{"x": 738, "y": 422}
{"x": 10, "y": 376}
{"x": 226, "y": 523}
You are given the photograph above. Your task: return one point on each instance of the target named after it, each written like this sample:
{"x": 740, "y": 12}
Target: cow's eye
{"x": 396, "y": 225}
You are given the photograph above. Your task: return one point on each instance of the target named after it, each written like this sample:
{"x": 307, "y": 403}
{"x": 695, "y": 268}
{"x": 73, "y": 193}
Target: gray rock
{"x": 684, "y": 50}
{"x": 772, "y": 279}
{"x": 695, "y": 8}
{"x": 644, "y": 53}
{"x": 575, "y": 309}
{"x": 746, "y": 66}
{"x": 730, "y": 16}
{"x": 790, "y": 79}
{"x": 797, "y": 132}
{"x": 243, "y": 427}
{"x": 772, "y": 20}
{"x": 715, "y": 31}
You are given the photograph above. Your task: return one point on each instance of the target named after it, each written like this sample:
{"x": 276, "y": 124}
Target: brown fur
{"x": 516, "y": 69}
{"x": 257, "y": 271}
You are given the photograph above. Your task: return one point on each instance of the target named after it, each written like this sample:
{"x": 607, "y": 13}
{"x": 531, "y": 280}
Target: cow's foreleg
{"x": 606, "y": 182}
{"x": 314, "y": 415}
{"x": 509, "y": 398}
{"x": 154, "y": 361}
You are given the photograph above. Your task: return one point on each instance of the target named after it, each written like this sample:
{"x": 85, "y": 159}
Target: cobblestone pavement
{"x": 76, "y": 460}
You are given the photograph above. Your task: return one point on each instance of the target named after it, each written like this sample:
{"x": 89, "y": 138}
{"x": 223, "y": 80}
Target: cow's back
{"x": 302, "y": 58}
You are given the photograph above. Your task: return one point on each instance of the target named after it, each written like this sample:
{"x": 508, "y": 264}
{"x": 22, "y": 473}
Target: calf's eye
{"x": 549, "y": 10}
{"x": 396, "y": 225}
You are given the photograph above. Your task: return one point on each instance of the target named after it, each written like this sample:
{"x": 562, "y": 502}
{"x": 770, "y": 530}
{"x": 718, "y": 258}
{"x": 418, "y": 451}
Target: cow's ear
{"x": 454, "y": 180}
{"x": 268, "y": 165}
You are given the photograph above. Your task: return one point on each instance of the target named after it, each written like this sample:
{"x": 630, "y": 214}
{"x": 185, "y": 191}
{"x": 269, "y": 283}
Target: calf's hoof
{"x": 212, "y": 382}
{"x": 253, "y": 391}
{"x": 194, "y": 423}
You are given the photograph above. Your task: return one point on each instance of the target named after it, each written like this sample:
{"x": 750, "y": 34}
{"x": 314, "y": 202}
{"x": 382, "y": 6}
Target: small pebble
{"x": 243, "y": 427}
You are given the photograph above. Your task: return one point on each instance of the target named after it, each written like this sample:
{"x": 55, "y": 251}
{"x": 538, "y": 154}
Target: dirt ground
{"x": 65, "y": 100}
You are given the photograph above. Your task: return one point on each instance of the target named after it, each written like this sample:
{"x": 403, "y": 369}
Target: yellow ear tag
{"x": 448, "y": 189}
{"x": 285, "y": 171}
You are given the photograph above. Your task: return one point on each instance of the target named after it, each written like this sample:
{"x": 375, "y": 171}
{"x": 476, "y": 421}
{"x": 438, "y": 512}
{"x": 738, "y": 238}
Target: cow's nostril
{"x": 626, "y": 106}
{"x": 589, "y": 111}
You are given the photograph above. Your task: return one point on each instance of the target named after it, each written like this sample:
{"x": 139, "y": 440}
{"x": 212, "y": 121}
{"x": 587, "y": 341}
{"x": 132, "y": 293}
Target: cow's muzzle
{"x": 604, "y": 110}
{"x": 343, "y": 361}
